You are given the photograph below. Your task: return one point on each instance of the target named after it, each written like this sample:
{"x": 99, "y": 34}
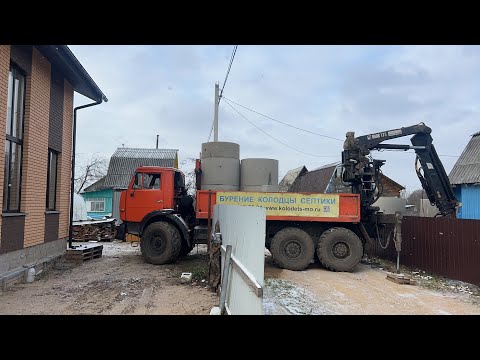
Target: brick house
{"x": 37, "y": 85}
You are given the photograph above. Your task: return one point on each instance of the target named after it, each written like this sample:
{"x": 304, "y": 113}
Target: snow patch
{"x": 284, "y": 297}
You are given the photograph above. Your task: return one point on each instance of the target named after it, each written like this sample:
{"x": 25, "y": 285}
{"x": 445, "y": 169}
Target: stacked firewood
{"x": 104, "y": 231}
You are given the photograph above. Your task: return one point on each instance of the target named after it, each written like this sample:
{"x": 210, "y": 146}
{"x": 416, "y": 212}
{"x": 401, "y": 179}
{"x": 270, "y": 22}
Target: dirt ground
{"x": 120, "y": 282}
{"x": 366, "y": 291}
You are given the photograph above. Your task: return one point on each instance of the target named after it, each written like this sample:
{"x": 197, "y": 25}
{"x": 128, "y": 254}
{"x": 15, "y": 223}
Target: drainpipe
{"x": 72, "y": 182}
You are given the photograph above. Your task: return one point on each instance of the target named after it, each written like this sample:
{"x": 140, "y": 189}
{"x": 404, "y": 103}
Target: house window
{"x": 14, "y": 141}
{"x": 52, "y": 180}
{"x": 95, "y": 205}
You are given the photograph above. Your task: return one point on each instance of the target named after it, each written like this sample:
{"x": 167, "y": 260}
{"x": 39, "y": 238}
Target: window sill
{"x": 13, "y": 214}
{"x": 52, "y": 212}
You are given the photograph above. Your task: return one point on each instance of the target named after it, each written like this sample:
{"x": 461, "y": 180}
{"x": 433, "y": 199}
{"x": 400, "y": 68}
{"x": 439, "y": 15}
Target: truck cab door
{"x": 144, "y": 196}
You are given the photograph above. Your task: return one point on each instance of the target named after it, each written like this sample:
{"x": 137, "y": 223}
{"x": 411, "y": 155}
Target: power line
{"x": 211, "y": 129}
{"x": 228, "y": 71}
{"x": 281, "y": 142}
{"x": 295, "y": 127}
{"x": 281, "y": 122}
{"x": 224, "y": 82}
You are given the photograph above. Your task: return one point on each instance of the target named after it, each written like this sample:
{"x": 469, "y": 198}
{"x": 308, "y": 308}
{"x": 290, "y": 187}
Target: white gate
{"x": 242, "y": 230}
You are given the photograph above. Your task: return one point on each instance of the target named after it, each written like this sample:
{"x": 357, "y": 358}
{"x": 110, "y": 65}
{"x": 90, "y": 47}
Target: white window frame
{"x": 94, "y": 202}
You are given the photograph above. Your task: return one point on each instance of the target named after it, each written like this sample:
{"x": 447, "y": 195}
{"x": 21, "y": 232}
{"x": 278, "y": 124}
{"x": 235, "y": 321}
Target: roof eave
{"x": 62, "y": 57}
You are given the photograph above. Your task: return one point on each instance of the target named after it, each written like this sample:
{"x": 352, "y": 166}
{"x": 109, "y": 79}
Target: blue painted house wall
{"x": 469, "y": 196}
{"x": 106, "y": 195}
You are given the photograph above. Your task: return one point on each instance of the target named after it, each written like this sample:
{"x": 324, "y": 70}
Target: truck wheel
{"x": 339, "y": 249}
{"x": 160, "y": 243}
{"x": 292, "y": 249}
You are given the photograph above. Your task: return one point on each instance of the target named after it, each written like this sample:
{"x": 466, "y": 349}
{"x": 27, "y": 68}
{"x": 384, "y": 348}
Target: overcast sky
{"x": 169, "y": 90}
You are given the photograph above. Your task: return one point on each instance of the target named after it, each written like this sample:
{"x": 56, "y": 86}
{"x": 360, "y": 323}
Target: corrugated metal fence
{"x": 445, "y": 246}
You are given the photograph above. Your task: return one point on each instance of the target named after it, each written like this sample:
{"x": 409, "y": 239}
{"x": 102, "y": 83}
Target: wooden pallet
{"x": 400, "y": 279}
{"x": 84, "y": 252}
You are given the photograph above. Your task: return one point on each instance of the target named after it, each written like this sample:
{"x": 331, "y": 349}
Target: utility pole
{"x": 215, "y": 119}
{"x": 157, "y": 141}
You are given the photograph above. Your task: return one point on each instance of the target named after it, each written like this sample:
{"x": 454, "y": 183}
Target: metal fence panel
{"x": 446, "y": 246}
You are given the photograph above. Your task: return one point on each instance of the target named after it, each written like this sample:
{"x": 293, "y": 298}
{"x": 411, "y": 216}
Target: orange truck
{"x": 332, "y": 228}
{"x": 157, "y": 211}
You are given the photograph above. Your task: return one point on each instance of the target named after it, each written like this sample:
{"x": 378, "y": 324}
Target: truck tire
{"x": 339, "y": 249}
{"x": 160, "y": 243}
{"x": 292, "y": 249}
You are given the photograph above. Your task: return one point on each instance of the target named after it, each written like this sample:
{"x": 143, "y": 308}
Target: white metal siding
{"x": 243, "y": 227}
{"x": 116, "y": 206}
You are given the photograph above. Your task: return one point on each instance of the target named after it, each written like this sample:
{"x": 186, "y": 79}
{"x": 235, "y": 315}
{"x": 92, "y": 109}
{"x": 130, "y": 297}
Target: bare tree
{"x": 415, "y": 196}
{"x": 89, "y": 171}
{"x": 188, "y": 168}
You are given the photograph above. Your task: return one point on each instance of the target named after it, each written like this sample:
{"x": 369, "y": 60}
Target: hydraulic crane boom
{"x": 364, "y": 173}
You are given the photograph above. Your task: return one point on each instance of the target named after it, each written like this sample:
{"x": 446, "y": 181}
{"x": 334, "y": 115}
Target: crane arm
{"x": 363, "y": 173}
{"x": 373, "y": 141}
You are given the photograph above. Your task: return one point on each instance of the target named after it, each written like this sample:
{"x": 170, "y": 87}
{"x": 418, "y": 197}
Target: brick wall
{"x": 35, "y": 160}
{"x": 4, "y": 70}
{"x": 64, "y": 162}
{"x": 48, "y": 122}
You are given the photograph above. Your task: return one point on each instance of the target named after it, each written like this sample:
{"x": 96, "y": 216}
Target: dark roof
{"x": 467, "y": 168}
{"x": 125, "y": 160}
{"x": 314, "y": 181}
{"x": 62, "y": 58}
{"x": 290, "y": 177}
{"x": 96, "y": 186}
{"x": 320, "y": 180}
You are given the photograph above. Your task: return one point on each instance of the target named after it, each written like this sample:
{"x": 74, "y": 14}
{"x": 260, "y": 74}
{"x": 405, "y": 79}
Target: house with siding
{"x": 103, "y": 197}
{"x": 465, "y": 179}
{"x": 37, "y": 85}
{"x": 326, "y": 179}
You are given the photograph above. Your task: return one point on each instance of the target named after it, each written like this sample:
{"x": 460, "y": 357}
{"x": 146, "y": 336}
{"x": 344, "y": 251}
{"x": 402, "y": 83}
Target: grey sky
{"x": 168, "y": 90}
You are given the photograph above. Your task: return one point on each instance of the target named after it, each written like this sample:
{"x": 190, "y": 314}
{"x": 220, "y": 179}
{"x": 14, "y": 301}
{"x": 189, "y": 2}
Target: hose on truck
{"x": 388, "y": 237}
